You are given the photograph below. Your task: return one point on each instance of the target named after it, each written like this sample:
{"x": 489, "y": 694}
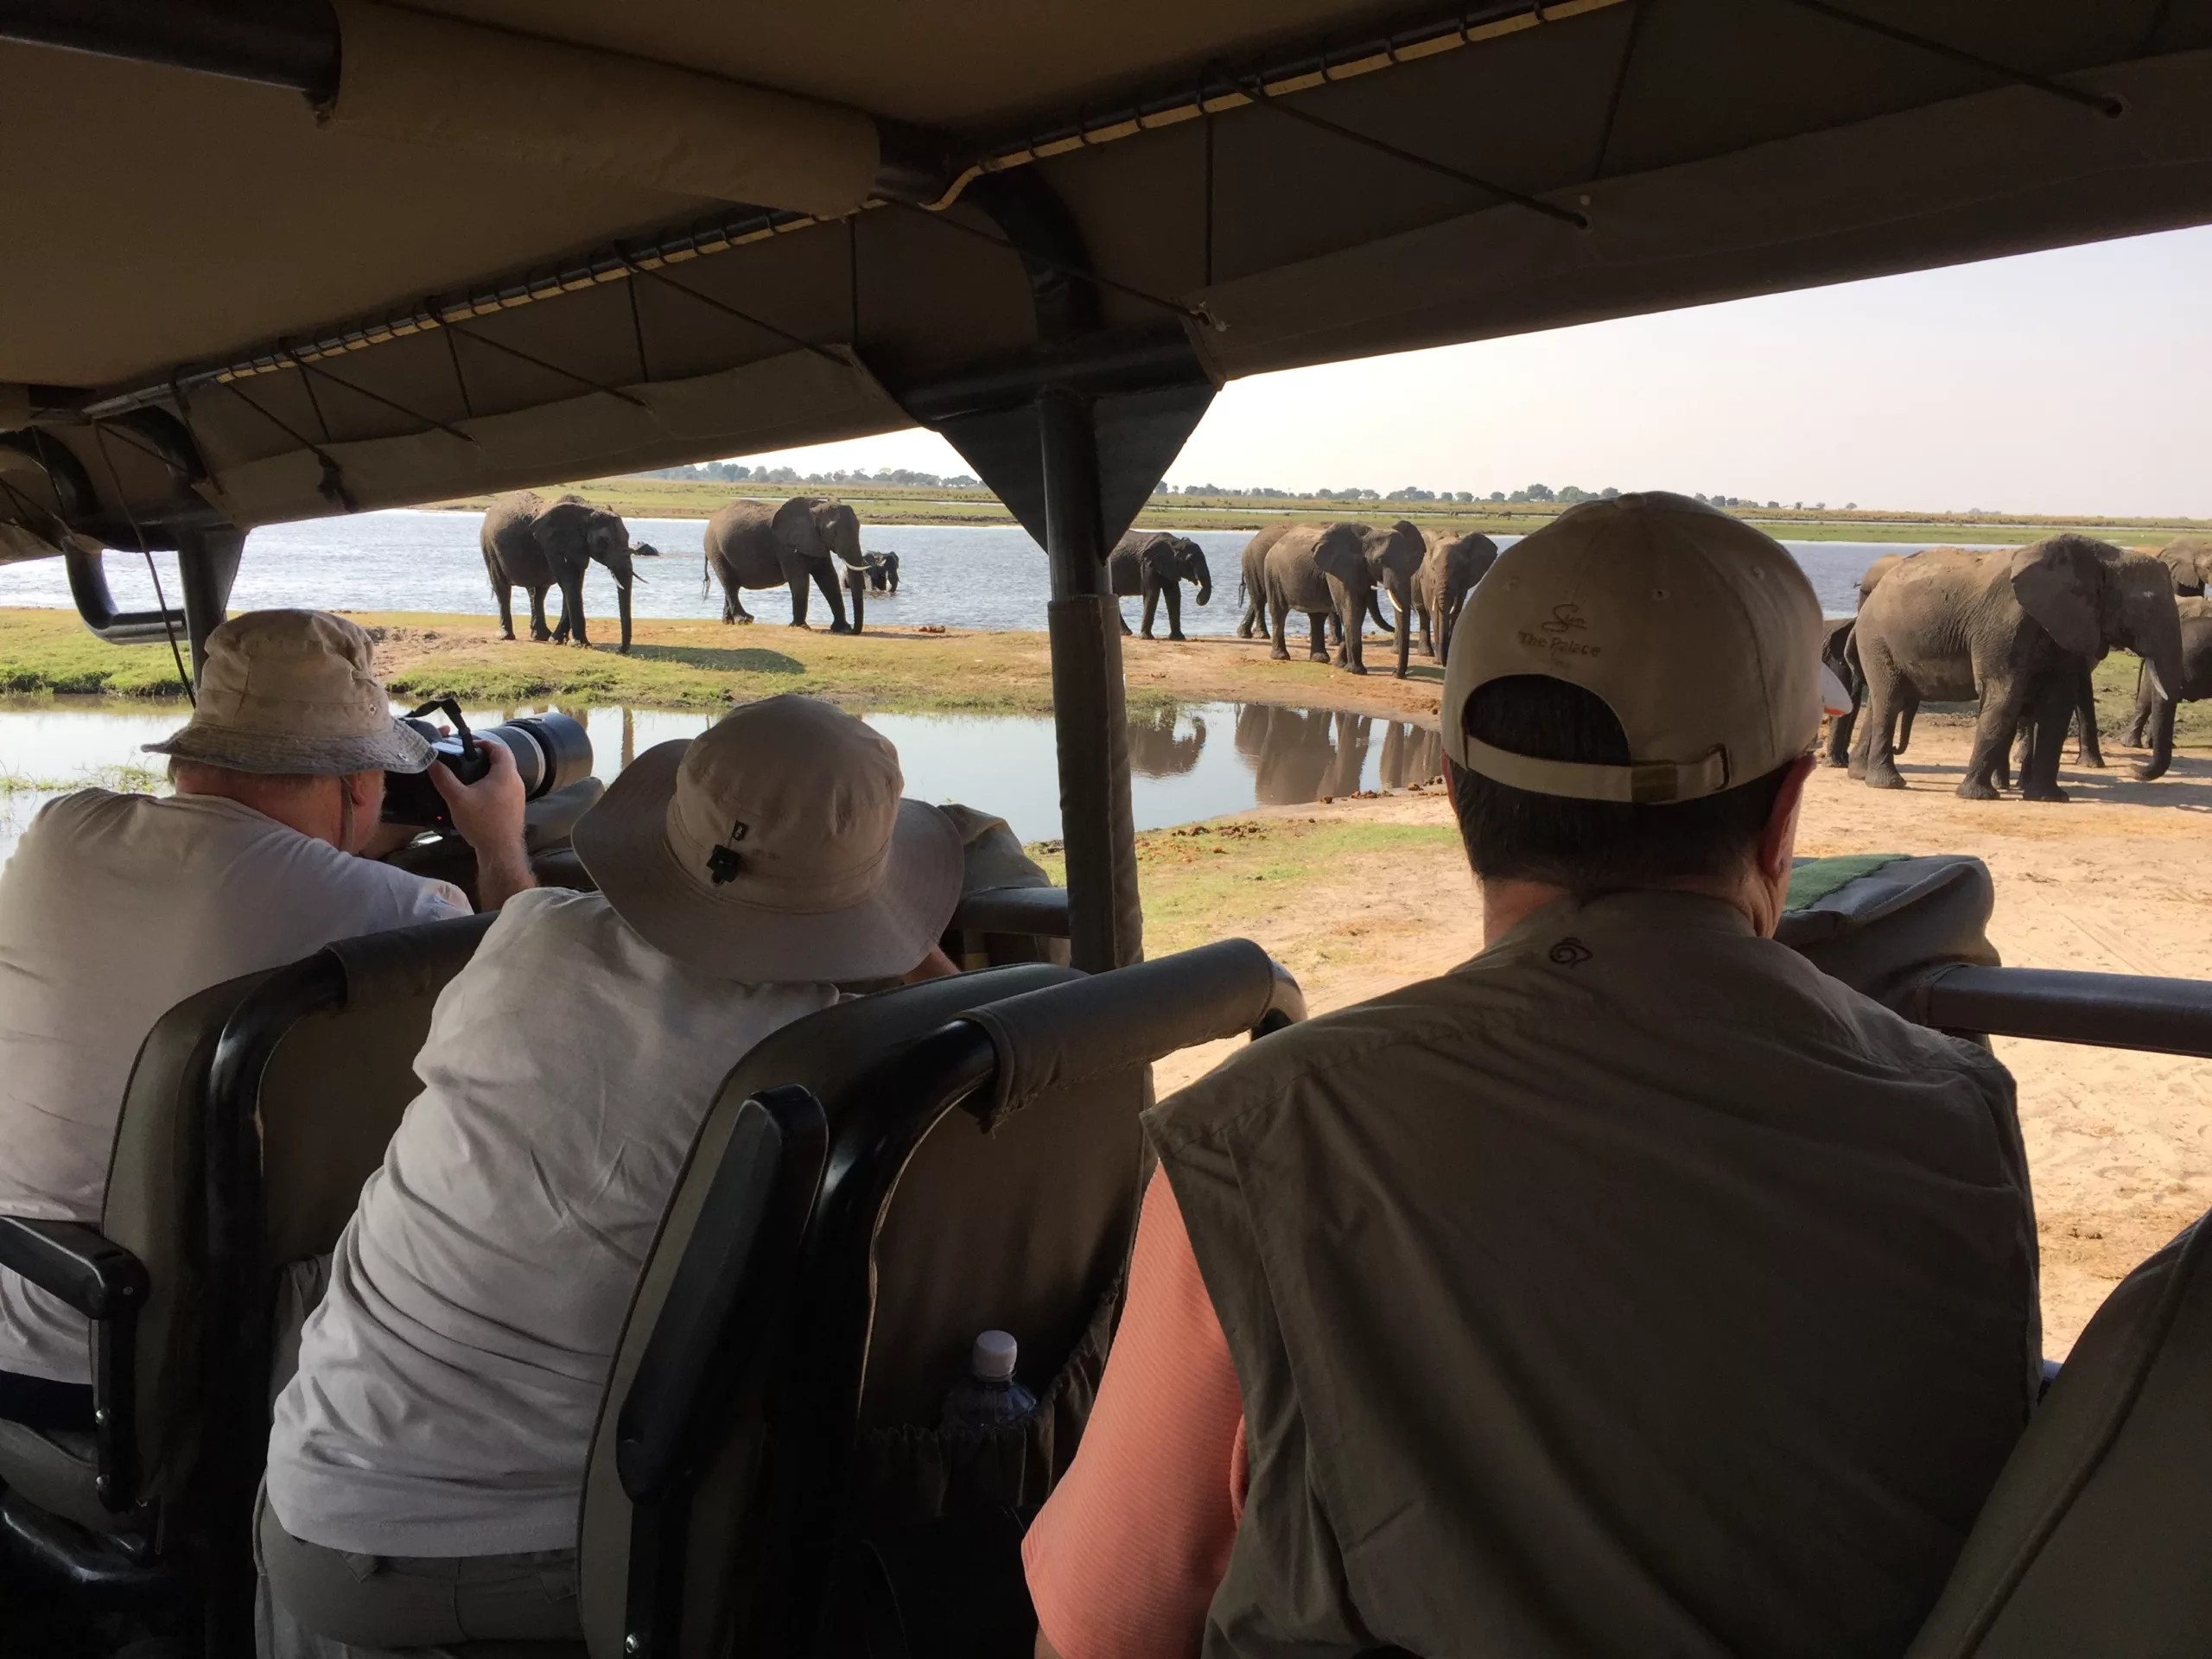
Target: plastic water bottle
{"x": 988, "y": 1397}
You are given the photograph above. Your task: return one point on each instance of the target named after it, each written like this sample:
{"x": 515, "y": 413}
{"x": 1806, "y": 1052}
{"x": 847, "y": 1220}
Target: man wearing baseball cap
{"x": 439, "y": 1423}
{"x": 1633, "y": 1289}
{"x": 115, "y": 908}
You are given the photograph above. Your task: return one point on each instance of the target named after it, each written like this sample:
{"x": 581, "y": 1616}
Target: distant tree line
{"x": 734, "y": 472}
{"x": 1565, "y": 496}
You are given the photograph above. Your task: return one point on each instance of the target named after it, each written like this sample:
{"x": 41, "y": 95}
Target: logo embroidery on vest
{"x": 1569, "y": 953}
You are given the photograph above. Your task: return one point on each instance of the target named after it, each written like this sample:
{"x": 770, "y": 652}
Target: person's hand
{"x": 488, "y": 816}
{"x": 936, "y": 965}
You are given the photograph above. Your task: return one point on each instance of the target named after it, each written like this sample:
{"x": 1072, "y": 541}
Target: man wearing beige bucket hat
{"x": 116, "y": 907}
{"x": 1633, "y": 1289}
{"x": 448, "y": 1385}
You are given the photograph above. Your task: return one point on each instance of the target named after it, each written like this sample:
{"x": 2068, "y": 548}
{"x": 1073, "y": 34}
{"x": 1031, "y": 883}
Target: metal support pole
{"x": 1105, "y": 924}
{"x": 207, "y": 563}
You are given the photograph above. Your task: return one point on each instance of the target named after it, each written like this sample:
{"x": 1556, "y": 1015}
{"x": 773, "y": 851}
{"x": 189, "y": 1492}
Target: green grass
{"x": 895, "y": 505}
{"x": 122, "y": 779}
{"x": 1210, "y": 881}
{"x": 51, "y": 652}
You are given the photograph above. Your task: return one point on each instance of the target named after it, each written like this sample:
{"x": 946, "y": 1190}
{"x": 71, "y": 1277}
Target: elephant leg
{"x": 1122, "y": 616}
{"x": 1173, "y": 595}
{"x": 2050, "y": 714}
{"x": 1279, "y": 609}
{"x": 1318, "y": 650}
{"x": 2091, "y": 752}
{"x": 2145, "y": 706}
{"x": 1874, "y": 756}
{"x": 539, "y": 630}
{"x": 1839, "y": 729}
{"x": 1353, "y": 659}
{"x": 799, "y": 601}
{"x": 573, "y": 623}
{"x": 2001, "y": 709}
{"x": 826, "y": 579}
{"x": 734, "y": 606}
{"x": 505, "y": 593}
{"x": 1405, "y": 640}
{"x": 1428, "y": 638}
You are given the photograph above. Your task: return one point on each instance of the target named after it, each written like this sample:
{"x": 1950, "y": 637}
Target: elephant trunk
{"x": 622, "y": 608}
{"x": 1205, "y": 587}
{"x": 2162, "y": 741}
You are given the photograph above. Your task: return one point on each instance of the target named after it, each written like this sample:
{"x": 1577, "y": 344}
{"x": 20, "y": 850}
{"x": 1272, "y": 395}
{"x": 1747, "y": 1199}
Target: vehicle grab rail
{"x": 2137, "y": 1011}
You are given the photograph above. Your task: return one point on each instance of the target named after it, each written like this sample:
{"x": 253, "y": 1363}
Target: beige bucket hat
{"x": 1701, "y": 633}
{"x": 775, "y": 847}
{"x": 293, "y": 691}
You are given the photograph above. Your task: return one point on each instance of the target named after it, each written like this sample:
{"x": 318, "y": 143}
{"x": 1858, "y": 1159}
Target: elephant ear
{"x": 2059, "y": 595}
{"x": 1342, "y": 554}
{"x": 557, "y": 527}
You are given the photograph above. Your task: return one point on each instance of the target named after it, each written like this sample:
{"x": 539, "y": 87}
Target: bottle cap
{"x": 992, "y": 1359}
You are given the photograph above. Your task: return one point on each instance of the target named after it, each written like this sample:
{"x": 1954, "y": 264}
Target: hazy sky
{"x": 2075, "y": 381}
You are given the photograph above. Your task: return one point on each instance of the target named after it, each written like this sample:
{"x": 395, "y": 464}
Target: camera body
{"x": 551, "y": 752}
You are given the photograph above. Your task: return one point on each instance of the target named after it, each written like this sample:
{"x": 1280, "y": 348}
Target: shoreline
{"x": 692, "y": 663}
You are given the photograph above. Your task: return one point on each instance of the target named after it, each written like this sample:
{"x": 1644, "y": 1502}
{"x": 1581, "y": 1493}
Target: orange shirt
{"x": 1124, "y": 1560}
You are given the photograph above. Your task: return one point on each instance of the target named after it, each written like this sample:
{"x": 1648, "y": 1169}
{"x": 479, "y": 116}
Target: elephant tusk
{"x": 2157, "y": 684}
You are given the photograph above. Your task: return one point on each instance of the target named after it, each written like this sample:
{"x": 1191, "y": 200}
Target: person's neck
{"x": 319, "y": 814}
{"x": 1508, "y": 902}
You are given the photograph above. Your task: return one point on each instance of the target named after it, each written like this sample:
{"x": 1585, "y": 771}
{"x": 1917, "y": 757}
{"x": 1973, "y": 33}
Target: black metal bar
{"x": 96, "y": 605}
{"x": 1094, "y": 364}
{"x": 2165, "y": 1016}
{"x": 98, "y": 1278}
{"x": 207, "y": 563}
{"x": 2098, "y": 101}
{"x": 1041, "y": 912}
{"x": 290, "y": 43}
{"x": 1090, "y": 717}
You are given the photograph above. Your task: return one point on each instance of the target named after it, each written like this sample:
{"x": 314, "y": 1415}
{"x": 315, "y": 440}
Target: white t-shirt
{"x": 450, "y": 1378}
{"x": 113, "y": 910}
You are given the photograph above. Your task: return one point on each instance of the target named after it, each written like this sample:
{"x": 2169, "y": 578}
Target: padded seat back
{"x": 982, "y": 1169}
{"x": 1883, "y": 925}
{"x": 2095, "y": 1540}
{"x": 152, "y": 1209}
{"x": 832, "y": 1054}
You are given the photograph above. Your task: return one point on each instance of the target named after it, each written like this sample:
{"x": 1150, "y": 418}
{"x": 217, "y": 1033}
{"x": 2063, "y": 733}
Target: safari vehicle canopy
{"x": 271, "y": 259}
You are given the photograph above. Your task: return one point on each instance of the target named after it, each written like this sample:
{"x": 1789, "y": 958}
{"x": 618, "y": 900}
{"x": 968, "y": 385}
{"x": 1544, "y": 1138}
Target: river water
{"x": 953, "y": 575}
{"x": 1196, "y": 761}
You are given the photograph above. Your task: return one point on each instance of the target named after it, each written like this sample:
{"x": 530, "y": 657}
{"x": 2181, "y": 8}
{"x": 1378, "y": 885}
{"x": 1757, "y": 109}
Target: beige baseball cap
{"x": 1702, "y": 634}
{"x": 775, "y": 847}
{"x": 293, "y": 691}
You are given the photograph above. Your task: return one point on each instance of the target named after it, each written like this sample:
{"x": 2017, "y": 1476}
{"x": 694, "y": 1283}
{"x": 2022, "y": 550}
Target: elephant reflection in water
{"x": 1301, "y": 755}
{"x": 1411, "y": 754}
{"x": 1158, "y": 750}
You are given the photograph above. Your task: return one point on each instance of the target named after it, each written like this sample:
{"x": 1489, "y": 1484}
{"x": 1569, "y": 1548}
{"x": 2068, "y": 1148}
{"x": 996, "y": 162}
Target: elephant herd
{"x": 2019, "y": 629}
{"x": 539, "y": 545}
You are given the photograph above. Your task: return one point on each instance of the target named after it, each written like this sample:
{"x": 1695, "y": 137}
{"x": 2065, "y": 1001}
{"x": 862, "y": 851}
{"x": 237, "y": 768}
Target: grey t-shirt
{"x": 114, "y": 909}
{"x": 450, "y": 1379}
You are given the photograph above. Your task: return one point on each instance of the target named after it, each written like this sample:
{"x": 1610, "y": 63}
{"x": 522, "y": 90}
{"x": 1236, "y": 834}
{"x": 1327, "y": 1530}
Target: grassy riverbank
{"x": 892, "y": 505}
{"x": 692, "y": 663}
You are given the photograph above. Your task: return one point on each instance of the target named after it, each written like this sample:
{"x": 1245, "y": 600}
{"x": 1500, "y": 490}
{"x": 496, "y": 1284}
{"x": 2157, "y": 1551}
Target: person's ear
{"x": 1778, "y": 840}
{"x": 364, "y": 795}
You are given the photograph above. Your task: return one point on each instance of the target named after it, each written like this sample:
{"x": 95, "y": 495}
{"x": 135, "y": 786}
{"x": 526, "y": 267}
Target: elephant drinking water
{"x": 1156, "y": 563}
{"x": 538, "y": 544}
{"x": 761, "y": 544}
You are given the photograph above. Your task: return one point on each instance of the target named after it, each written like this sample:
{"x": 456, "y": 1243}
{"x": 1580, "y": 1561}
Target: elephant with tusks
{"x": 763, "y": 544}
{"x": 1449, "y": 570}
{"x": 536, "y": 544}
{"x": 1156, "y": 563}
{"x": 2016, "y": 628}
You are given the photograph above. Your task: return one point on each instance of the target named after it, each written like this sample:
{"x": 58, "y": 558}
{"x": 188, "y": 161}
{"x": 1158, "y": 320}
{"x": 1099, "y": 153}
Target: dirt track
{"x": 2115, "y": 881}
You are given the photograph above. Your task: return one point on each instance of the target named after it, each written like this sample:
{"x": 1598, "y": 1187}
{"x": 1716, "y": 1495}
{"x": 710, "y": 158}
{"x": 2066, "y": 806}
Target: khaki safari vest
{"x": 1634, "y": 1289}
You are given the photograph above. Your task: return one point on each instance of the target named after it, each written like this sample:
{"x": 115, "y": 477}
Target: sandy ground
{"x": 2117, "y": 881}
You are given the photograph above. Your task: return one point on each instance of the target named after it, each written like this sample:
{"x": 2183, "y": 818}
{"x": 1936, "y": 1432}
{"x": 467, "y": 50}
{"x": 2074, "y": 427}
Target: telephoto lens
{"x": 551, "y": 752}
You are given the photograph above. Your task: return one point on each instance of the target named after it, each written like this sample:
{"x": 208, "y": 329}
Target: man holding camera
{"x": 115, "y": 908}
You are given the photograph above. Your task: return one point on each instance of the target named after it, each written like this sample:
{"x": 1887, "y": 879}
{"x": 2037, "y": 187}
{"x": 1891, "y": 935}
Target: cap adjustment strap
{"x": 1648, "y": 783}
